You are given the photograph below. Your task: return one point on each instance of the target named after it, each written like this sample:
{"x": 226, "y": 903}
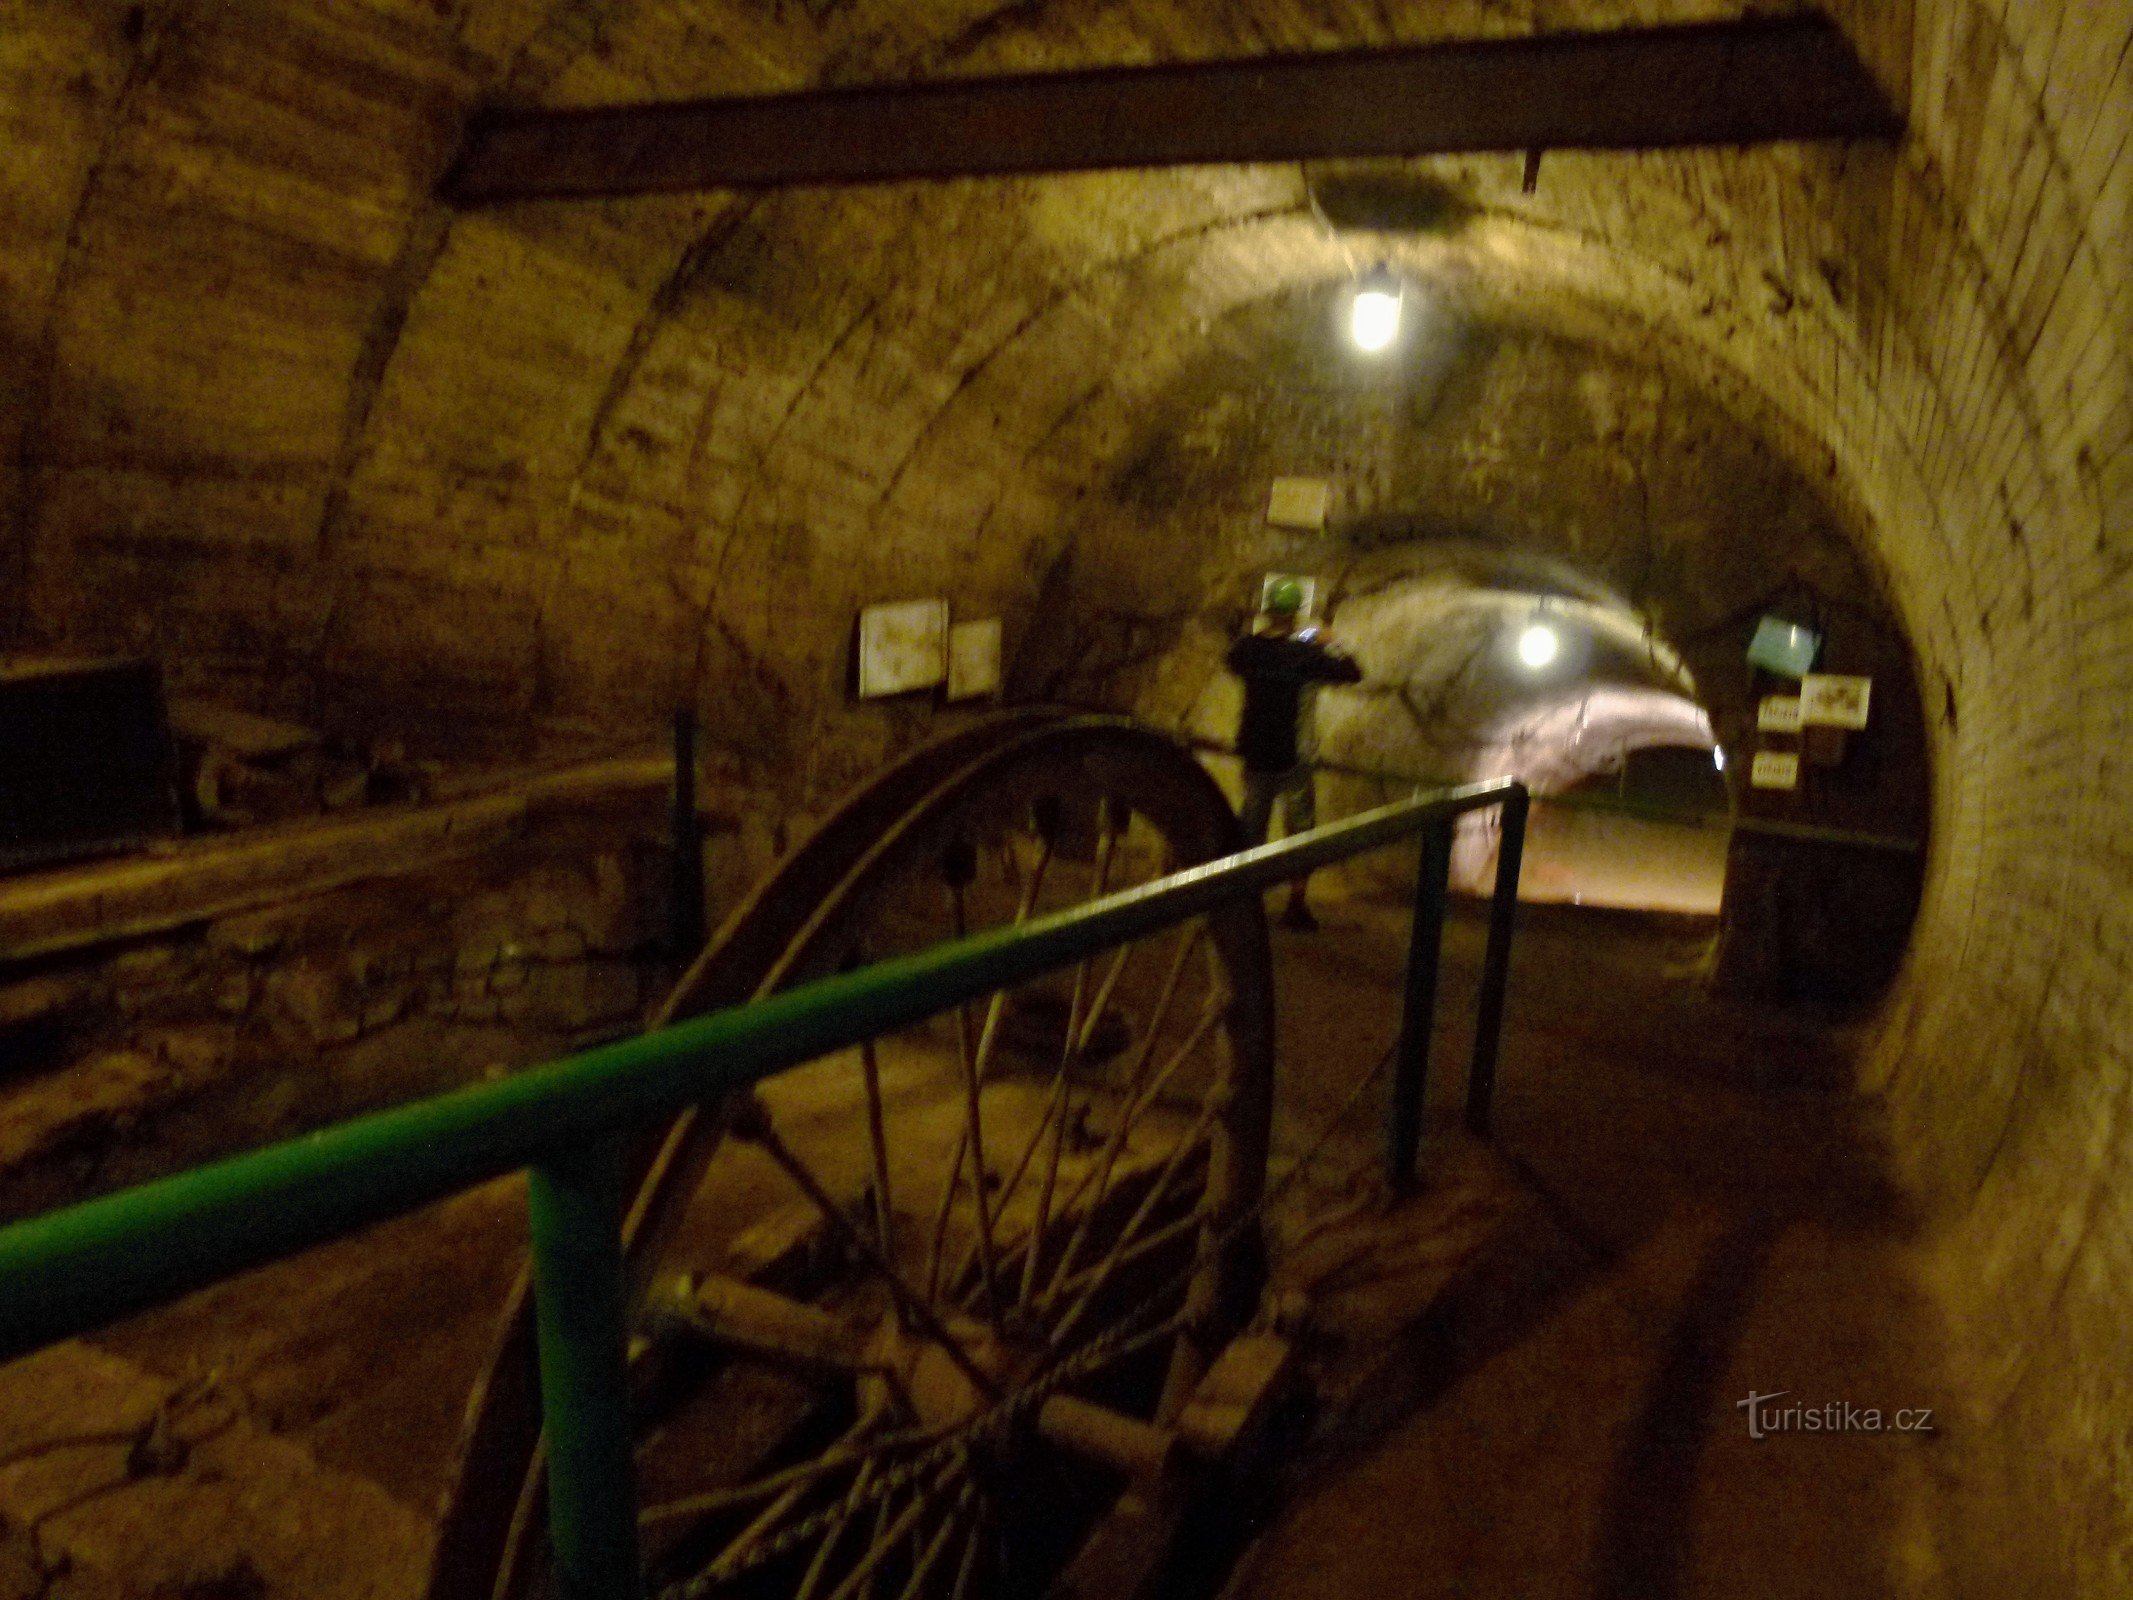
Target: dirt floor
{"x": 1530, "y": 1371}
{"x": 1724, "y": 1230}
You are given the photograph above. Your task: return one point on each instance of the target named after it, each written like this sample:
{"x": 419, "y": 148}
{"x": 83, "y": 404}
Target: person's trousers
{"x": 1296, "y": 789}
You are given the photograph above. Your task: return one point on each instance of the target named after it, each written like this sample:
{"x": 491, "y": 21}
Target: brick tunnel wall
{"x": 532, "y": 476}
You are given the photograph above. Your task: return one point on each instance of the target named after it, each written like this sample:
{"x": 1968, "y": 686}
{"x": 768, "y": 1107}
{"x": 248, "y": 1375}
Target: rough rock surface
{"x": 130, "y": 1055}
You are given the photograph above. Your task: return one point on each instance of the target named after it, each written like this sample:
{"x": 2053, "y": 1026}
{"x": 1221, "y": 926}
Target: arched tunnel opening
{"x": 1494, "y": 478}
{"x": 525, "y": 522}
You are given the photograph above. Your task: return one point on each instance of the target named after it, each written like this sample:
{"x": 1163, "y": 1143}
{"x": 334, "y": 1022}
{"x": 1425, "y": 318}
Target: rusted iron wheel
{"x": 1019, "y": 1231}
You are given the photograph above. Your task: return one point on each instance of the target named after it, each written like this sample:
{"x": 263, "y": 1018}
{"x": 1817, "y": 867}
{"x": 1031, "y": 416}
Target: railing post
{"x": 575, "y": 1199}
{"x": 1410, "y": 1063}
{"x": 1496, "y": 962}
{"x": 686, "y": 921}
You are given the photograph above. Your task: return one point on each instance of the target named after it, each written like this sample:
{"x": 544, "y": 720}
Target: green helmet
{"x": 1284, "y": 597}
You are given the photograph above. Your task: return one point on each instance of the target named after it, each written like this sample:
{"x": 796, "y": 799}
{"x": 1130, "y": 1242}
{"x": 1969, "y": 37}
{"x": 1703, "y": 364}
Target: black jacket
{"x": 1275, "y": 668}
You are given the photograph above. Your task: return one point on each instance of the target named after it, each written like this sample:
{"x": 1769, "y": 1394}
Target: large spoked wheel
{"x": 1030, "y": 1222}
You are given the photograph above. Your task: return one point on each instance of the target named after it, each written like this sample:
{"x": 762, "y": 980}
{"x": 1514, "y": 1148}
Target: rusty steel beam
{"x": 1726, "y": 83}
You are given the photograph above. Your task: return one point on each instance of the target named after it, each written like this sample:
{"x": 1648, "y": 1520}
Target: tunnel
{"x": 437, "y": 479}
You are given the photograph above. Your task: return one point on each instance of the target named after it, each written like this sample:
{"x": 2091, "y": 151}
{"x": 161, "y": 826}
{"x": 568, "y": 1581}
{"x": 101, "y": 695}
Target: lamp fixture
{"x": 1374, "y": 317}
{"x": 1538, "y": 644}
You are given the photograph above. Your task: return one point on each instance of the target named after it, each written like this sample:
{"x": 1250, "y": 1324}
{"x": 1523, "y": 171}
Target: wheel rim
{"x": 1043, "y": 1199}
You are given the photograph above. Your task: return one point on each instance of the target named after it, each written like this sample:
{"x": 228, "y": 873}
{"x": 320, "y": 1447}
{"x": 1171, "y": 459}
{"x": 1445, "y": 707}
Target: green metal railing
{"x": 75, "y": 1269}
{"x": 1640, "y": 810}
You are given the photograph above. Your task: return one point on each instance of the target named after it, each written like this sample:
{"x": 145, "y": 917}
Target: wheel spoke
{"x": 882, "y": 1513}
{"x": 878, "y": 1148}
{"x": 835, "y": 1536}
{"x": 1164, "y": 1236}
{"x": 765, "y": 1522}
{"x": 804, "y": 1473}
{"x": 1024, "y": 906}
{"x": 939, "y": 1233}
{"x": 1058, "y": 1112}
{"x": 1104, "y": 991}
{"x": 987, "y": 1037}
{"x": 974, "y": 1144}
{"x": 1146, "y": 1209}
{"x": 1055, "y": 1119}
{"x": 1143, "y": 1054}
{"x": 736, "y": 1553}
{"x": 1008, "y": 1191}
{"x": 937, "y": 1546}
{"x": 1121, "y": 1133}
{"x": 886, "y": 1539}
{"x": 970, "y": 1556}
{"x": 1116, "y": 1143}
{"x": 920, "y": 1314}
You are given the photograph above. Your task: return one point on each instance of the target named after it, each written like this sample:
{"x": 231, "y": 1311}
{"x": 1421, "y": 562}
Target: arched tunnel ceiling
{"x": 274, "y": 413}
{"x": 563, "y": 464}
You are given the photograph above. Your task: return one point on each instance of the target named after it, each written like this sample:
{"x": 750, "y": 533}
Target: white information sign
{"x": 1299, "y": 503}
{"x": 1831, "y": 700}
{"x": 902, "y": 646}
{"x": 1778, "y": 713}
{"x": 974, "y": 659}
{"x": 1775, "y": 769}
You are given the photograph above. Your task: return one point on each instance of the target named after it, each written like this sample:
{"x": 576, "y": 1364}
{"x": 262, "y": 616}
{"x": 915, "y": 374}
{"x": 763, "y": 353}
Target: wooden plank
{"x": 1139, "y": 1449}
{"x": 1723, "y": 83}
{"x": 1228, "y": 1411}
{"x": 1128, "y": 1552}
{"x": 196, "y": 880}
{"x": 772, "y": 1326}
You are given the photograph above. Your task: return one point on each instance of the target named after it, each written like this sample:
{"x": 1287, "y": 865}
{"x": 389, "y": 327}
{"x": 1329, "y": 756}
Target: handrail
{"x": 70, "y": 1270}
{"x": 1642, "y": 811}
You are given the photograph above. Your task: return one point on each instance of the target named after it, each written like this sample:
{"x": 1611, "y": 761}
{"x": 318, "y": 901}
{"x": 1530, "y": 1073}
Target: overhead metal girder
{"x": 1726, "y": 83}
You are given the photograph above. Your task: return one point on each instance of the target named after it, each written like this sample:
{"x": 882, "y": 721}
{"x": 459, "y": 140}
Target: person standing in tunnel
{"x": 1282, "y": 668}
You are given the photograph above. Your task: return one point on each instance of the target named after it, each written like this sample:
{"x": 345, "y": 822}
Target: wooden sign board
{"x": 1299, "y": 503}
{"x": 1778, "y": 713}
{"x": 902, "y": 646}
{"x": 974, "y": 659}
{"x": 1832, "y": 700}
{"x": 1775, "y": 769}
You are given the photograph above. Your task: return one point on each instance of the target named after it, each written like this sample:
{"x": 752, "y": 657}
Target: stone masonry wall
{"x": 127, "y": 1060}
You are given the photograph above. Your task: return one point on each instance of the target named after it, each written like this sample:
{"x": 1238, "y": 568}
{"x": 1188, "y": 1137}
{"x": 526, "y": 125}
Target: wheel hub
{"x": 939, "y": 1389}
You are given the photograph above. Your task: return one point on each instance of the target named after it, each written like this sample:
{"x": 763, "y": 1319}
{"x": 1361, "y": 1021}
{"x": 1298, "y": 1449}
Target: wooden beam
{"x": 197, "y": 880}
{"x": 1725, "y": 83}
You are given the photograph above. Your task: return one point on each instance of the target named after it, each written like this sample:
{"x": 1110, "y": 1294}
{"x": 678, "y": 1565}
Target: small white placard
{"x": 1778, "y": 713}
{"x": 1299, "y": 503}
{"x": 1775, "y": 769}
{"x": 902, "y": 646}
{"x": 974, "y": 659}
{"x": 1309, "y": 608}
{"x": 1830, "y": 700}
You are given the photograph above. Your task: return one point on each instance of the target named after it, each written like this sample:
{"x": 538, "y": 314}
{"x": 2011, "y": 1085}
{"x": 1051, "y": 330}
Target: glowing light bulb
{"x": 1538, "y": 645}
{"x": 1374, "y": 318}
{"x": 1718, "y": 758}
